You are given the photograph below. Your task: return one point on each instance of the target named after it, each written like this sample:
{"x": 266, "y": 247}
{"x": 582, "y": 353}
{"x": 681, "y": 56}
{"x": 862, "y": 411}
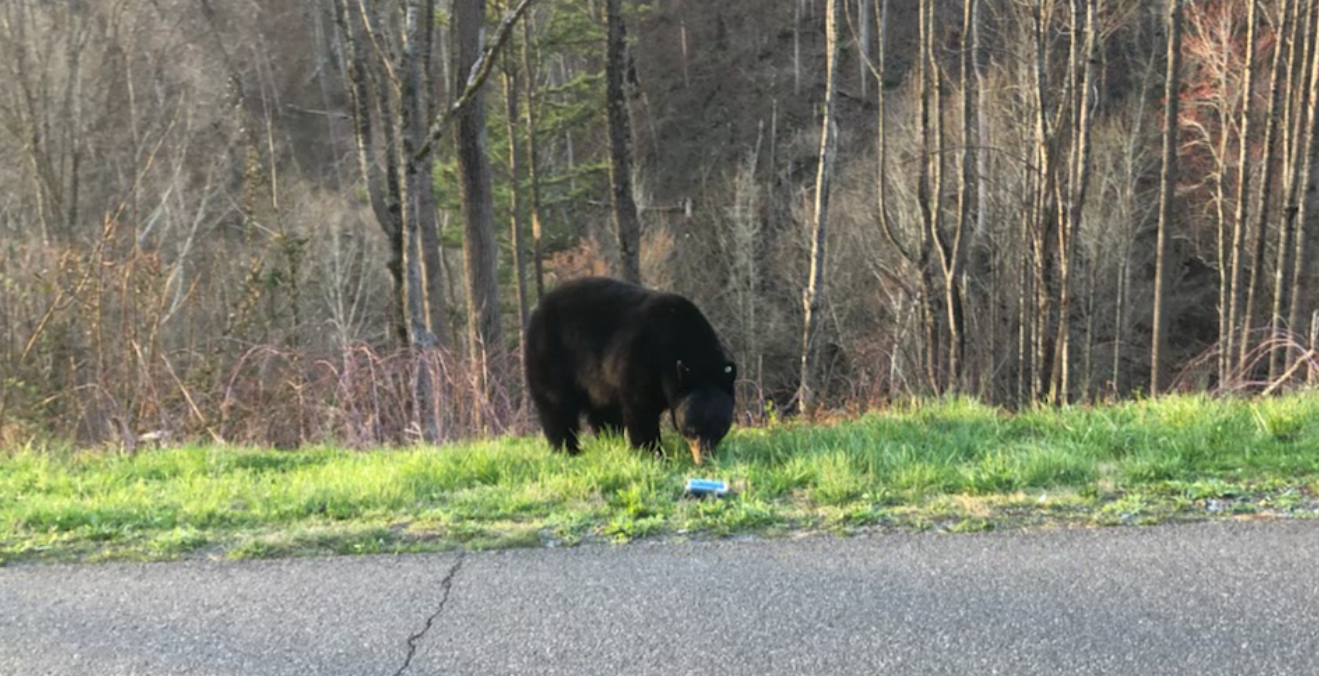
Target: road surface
{"x": 1213, "y": 598}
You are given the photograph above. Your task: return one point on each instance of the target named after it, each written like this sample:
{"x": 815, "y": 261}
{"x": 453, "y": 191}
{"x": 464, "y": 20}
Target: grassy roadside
{"x": 951, "y": 466}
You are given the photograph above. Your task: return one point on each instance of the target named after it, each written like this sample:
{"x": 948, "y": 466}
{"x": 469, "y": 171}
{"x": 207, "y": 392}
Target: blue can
{"x": 703, "y": 487}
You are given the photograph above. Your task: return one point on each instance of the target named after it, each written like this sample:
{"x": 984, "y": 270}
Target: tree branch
{"x": 480, "y": 71}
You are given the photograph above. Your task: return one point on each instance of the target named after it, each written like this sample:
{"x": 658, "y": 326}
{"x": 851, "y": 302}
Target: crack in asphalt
{"x": 446, "y": 584}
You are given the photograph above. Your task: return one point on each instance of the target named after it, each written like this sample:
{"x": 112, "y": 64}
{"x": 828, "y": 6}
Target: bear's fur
{"x": 621, "y": 355}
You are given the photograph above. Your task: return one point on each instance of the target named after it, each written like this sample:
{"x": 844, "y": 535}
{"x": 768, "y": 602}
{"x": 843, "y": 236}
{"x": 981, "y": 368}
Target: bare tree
{"x": 626, "y": 221}
{"x": 389, "y": 86}
{"x": 929, "y": 186}
{"x": 951, "y": 257}
{"x": 1083, "y": 85}
{"x": 863, "y": 42}
{"x": 813, "y": 293}
{"x": 982, "y": 247}
{"x": 533, "y": 175}
{"x": 798, "y": 8}
{"x": 1038, "y": 236}
{"x": 1209, "y": 46}
{"x": 373, "y": 113}
{"x": 1285, "y": 9}
{"x": 1242, "y": 198}
{"x": 881, "y": 135}
{"x": 485, "y": 337}
{"x": 45, "y": 106}
{"x": 425, "y": 299}
{"x": 517, "y": 229}
{"x": 1301, "y": 303}
{"x": 1167, "y": 182}
{"x": 1298, "y": 84}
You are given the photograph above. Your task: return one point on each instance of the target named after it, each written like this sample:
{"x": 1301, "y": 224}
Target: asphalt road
{"x": 1216, "y": 598}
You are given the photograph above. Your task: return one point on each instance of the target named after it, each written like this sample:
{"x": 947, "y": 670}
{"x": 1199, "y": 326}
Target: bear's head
{"x": 703, "y": 411}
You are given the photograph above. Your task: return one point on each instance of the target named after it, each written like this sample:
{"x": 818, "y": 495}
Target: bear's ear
{"x": 683, "y": 371}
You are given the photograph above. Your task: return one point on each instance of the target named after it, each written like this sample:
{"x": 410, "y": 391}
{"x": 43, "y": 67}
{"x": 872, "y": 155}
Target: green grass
{"x": 955, "y": 466}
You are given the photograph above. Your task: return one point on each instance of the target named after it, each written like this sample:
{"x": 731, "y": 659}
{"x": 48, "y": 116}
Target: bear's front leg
{"x": 644, "y": 432}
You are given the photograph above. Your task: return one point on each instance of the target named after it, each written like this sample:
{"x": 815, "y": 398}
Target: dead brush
{"x": 360, "y": 398}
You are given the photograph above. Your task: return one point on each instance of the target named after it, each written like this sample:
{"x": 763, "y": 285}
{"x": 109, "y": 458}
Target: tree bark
{"x": 951, "y": 255}
{"x": 928, "y": 189}
{"x": 437, "y": 316}
{"x": 1242, "y": 196}
{"x": 1301, "y": 303}
{"x": 1167, "y": 184}
{"x": 515, "y": 200}
{"x": 796, "y": 44}
{"x": 1266, "y": 162}
{"x": 1276, "y": 76}
{"x": 480, "y": 254}
{"x": 626, "y": 222}
{"x": 533, "y": 175}
{"x": 425, "y": 295}
{"x": 1297, "y": 58}
{"x": 881, "y": 136}
{"x": 370, "y": 104}
{"x": 812, "y": 295}
{"x": 1042, "y": 231}
{"x": 1079, "y": 177}
{"x": 863, "y": 40}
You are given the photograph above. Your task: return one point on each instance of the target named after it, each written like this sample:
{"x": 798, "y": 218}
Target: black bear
{"x": 622, "y": 354}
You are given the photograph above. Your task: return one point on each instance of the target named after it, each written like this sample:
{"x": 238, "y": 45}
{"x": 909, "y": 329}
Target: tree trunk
{"x": 1079, "y": 177}
{"x": 863, "y": 11}
{"x": 620, "y": 141}
{"x": 1285, "y": 10}
{"x": 1025, "y": 318}
{"x": 515, "y": 194}
{"x": 882, "y": 165}
{"x": 952, "y": 256}
{"x": 1301, "y": 300}
{"x": 812, "y": 295}
{"x": 419, "y": 203}
{"x": 1120, "y": 321}
{"x": 881, "y": 137}
{"x": 980, "y": 264}
{"x": 1242, "y": 197}
{"x": 480, "y": 254}
{"x": 533, "y": 176}
{"x": 367, "y": 99}
{"x": 1167, "y": 183}
{"x": 796, "y": 45}
{"x": 1297, "y": 58}
{"x": 929, "y": 188}
{"x": 427, "y": 214}
{"x": 979, "y": 66}
{"x": 1042, "y": 233}
{"x": 425, "y": 296}
{"x": 394, "y": 96}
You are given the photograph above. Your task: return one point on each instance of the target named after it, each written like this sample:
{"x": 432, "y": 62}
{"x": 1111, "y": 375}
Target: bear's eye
{"x": 728, "y": 369}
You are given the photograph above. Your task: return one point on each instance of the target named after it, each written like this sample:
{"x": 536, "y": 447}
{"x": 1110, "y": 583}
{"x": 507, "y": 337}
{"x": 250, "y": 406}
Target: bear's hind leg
{"x": 562, "y": 435}
{"x": 560, "y": 420}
